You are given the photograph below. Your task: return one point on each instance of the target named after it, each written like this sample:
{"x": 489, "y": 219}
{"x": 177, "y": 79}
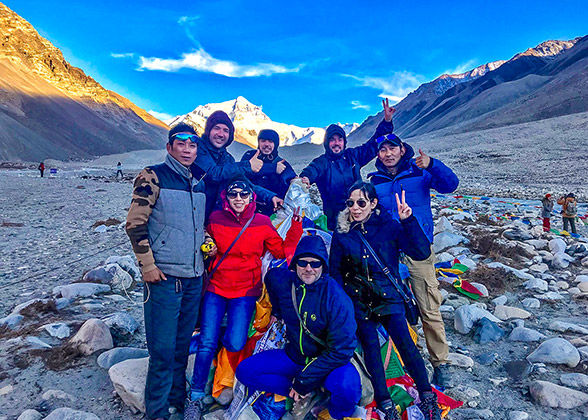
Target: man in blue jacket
{"x": 398, "y": 171}
{"x": 218, "y": 166}
{"x": 275, "y": 174}
{"x": 335, "y": 171}
{"x": 307, "y": 299}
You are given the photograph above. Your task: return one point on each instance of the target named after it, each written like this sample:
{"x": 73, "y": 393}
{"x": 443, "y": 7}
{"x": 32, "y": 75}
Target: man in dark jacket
{"x": 276, "y": 173}
{"x": 219, "y": 166}
{"x": 397, "y": 171}
{"x": 166, "y": 227}
{"x": 306, "y": 290}
{"x": 335, "y": 171}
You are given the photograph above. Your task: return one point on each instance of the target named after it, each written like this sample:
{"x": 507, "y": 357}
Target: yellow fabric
{"x": 224, "y": 377}
{"x": 263, "y": 311}
{"x": 324, "y": 415}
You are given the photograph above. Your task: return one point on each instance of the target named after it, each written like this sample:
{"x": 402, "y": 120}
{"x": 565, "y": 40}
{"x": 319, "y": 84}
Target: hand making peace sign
{"x": 404, "y": 210}
{"x": 388, "y": 110}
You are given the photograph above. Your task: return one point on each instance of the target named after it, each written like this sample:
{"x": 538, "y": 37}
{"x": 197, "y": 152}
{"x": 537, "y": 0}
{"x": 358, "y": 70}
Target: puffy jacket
{"x": 334, "y": 174}
{"x": 350, "y": 258}
{"x": 328, "y": 312}
{"x": 268, "y": 178}
{"x": 547, "y": 207}
{"x": 564, "y": 202}
{"x": 417, "y": 183}
{"x": 239, "y": 274}
{"x": 218, "y": 167}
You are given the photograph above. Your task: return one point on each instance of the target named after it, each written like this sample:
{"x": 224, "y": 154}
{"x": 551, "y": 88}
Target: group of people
{"x": 199, "y": 225}
{"x": 569, "y": 211}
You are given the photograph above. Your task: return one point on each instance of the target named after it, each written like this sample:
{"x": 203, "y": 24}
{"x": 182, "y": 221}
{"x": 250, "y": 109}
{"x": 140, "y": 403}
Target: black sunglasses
{"x": 243, "y": 194}
{"x": 361, "y": 203}
{"x": 304, "y": 263}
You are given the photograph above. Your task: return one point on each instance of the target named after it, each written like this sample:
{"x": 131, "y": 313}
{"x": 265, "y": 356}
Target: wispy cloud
{"x": 462, "y": 68}
{"x": 202, "y": 61}
{"x": 187, "y": 19}
{"x": 395, "y": 87}
{"x": 359, "y": 105}
{"x": 123, "y": 55}
{"x": 160, "y": 115}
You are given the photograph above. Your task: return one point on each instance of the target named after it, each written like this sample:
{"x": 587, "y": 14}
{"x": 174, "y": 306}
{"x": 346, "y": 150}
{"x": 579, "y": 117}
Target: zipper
{"x": 308, "y": 363}
{"x": 300, "y": 311}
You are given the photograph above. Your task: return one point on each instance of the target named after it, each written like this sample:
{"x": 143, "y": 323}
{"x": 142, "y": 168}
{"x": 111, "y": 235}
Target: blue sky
{"x": 309, "y": 63}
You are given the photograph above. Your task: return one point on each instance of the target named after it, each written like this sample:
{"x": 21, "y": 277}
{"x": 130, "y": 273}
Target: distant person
{"x": 569, "y": 212}
{"x": 119, "y": 170}
{"x": 335, "y": 171}
{"x": 218, "y": 166}
{"x": 398, "y": 172}
{"x": 166, "y": 227}
{"x": 275, "y": 174}
{"x": 41, "y": 169}
{"x": 547, "y": 203}
{"x": 305, "y": 293}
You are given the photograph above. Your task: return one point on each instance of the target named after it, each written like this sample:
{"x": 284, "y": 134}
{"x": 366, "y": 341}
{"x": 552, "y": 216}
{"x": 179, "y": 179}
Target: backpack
{"x": 572, "y": 208}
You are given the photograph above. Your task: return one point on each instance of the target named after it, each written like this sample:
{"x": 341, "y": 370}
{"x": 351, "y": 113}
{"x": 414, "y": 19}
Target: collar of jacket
{"x": 268, "y": 158}
{"x": 216, "y": 153}
{"x": 404, "y": 166}
{"x": 178, "y": 167}
{"x": 345, "y": 225}
{"x": 247, "y": 213}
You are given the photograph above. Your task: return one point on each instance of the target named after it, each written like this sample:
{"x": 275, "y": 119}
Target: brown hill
{"x": 51, "y": 109}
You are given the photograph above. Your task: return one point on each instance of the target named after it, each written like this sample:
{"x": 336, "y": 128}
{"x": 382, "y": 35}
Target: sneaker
{"x": 429, "y": 407}
{"x": 389, "y": 410}
{"x": 193, "y": 410}
{"x": 442, "y": 376}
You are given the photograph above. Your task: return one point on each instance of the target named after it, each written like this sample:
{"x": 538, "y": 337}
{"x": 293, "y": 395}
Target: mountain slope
{"x": 50, "y": 109}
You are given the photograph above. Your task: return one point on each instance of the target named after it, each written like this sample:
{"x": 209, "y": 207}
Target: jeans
{"x": 569, "y": 222}
{"x": 171, "y": 311}
{"x": 273, "y": 371}
{"x": 397, "y": 327}
{"x": 239, "y": 312}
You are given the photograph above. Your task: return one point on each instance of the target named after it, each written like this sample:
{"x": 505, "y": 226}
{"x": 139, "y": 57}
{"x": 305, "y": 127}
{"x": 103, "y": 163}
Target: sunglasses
{"x": 361, "y": 203}
{"x": 243, "y": 194}
{"x": 186, "y": 136}
{"x": 304, "y": 264}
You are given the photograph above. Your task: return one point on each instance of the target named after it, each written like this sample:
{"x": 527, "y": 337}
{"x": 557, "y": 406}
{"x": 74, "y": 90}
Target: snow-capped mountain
{"x": 249, "y": 120}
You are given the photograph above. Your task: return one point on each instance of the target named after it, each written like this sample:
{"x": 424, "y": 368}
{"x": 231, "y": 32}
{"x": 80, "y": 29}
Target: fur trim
{"x": 344, "y": 221}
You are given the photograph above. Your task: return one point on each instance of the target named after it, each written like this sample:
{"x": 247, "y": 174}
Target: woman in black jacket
{"x": 376, "y": 300}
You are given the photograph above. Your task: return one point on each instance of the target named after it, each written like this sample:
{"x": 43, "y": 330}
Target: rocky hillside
{"x": 546, "y": 81}
{"x": 51, "y": 109}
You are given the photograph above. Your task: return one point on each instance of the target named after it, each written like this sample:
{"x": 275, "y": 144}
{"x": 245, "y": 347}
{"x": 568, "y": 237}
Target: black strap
{"x": 302, "y": 324}
{"x": 230, "y": 247}
{"x": 385, "y": 269}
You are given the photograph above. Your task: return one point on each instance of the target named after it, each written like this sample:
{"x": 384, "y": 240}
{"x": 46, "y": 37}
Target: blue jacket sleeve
{"x": 443, "y": 179}
{"x": 263, "y": 195}
{"x": 289, "y": 174}
{"x": 341, "y": 344}
{"x": 367, "y": 151}
{"x": 314, "y": 170}
{"x": 413, "y": 241}
{"x": 220, "y": 173}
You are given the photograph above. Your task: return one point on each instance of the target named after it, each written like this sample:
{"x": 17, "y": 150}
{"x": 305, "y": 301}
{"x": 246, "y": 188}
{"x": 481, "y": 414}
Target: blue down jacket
{"x": 352, "y": 265}
{"x": 334, "y": 174}
{"x": 417, "y": 183}
{"x": 328, "y": 313}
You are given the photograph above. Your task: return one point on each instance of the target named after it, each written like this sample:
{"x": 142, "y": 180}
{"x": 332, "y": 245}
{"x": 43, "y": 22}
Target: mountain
{"x": 51, "y": 109}
{"x": 551, "y": 76}
{"x": 249, "y": 120}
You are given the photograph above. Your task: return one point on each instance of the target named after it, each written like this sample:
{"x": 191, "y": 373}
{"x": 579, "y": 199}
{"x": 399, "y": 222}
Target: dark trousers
{"x": 397, "y": 327}
{"x": 170, "y": 318}
{"x": 273, "y": 371}
{"x": 119, "y": 172}
{"x": 569, "y": 222}
{"x": 41, "y": 171}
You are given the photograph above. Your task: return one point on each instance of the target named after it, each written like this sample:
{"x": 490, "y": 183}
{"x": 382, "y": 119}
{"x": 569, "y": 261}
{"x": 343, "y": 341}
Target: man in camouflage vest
{"x": 166, "y": 227}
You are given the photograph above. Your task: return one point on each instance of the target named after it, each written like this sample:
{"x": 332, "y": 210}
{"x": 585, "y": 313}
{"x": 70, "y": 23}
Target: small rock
{"x": 518, "y": 369}
{"x": 446, "y": 308}
{"x": 508, "y": 312}
{"x": 467, "y": 315}
{"x": 471, "y": 413}
{"x": 30, "y": 415}
{"x": 536, "y": 284}
{"x": 486, "y": 359}
{"x": 58, "y": 394}
{"x": 58, "y": 330}
{"x": 538, "y": 243}
{"x": 531, "y": 303}
{"x": 525, "y": 334}
{"x": 575, "y": 380}
{"x": 556, "y": 351}
{"x": 517, "y": 235}
{"x": 76, "y": 290}
{"x": 443, "y": 225}
{"x": 539, "y": 268}
{"x": 518, "y": 415}
{"x": 497, "y": 381}
{"x": 6, "y": 390}
{"x": 557, "y": 245}
{"x": 111, "y": 357}
{"x": 456, "y": 301}
{"x": 561, "y": 260}
{"x": 94, "y": 335}
{"x": 519, "y": 273}
{"x": 481, "y": 288}
{"x": 567, "y": 327}
{"x": 460, "y": 360}
{"x": 487, "y": 331}
{"x": 128, "y": 378}
{"x": 69, "y": 414}
{"x": 113, "y": 275}
{"x": 37, "y": 343}
{"x": 582, "y": 278}
{"x": 121, "y": 322}
{"x": 549, "y": 296}
{"x": 463, "y": 393}
{"x": 445, "y": 240}
{"x": 11, "y": 321}
{"x": 101, "y": 229}
{"x": 563, "y": 285}
{"x": 552, "y": 395}
{"x": 500, "y": 300}
{"x": 444, "y": 257}
{"x": 583, "y": 286}
{"x": 127, "y": 263}
{"x": 573, "y": 291}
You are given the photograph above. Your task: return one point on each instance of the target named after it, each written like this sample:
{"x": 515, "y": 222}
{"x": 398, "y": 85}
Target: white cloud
{"x": 162, "y": 116}
{"x": 123, "y": 55}
{"x": 187, "y": 19}
{"x": 462, "y": 68}
{"x": 394, "y": 87}
{"x": 359, "y": 105}
{"x": 202, "y": 61}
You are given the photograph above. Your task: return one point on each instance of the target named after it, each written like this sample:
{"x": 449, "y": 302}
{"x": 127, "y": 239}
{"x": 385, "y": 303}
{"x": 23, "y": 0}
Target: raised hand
{"x": 404, "y": 210}
{"x": 277, "y": 202}
{"x": 388, "y": 110}
{"x": 305, "y": 180}
{"x": 255, "y": 162}
{"x": 280, "y": 166}
{"x": 423, "y": 161}
{"x": 297, "y": 217}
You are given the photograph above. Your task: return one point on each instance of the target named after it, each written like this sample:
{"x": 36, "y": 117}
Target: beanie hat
{"x": 391, "y": 138}
{"x": 180, "y": 128}
{"x": 330, "y": 132}
{"x": 219, "y": 117}
{"x": 270, "y": 135}
{"x": 240, "y": 181}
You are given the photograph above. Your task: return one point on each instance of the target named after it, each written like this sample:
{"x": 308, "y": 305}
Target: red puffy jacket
{"x": 240, "y": 272}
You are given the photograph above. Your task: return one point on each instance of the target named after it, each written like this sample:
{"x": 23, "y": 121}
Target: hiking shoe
{"x": 429, "y": 407}
{"x": 193, "y": 410}
{"x": 389, "y": 409}
{"x": 303, "y": 406}
{"x": 441, "y": 376}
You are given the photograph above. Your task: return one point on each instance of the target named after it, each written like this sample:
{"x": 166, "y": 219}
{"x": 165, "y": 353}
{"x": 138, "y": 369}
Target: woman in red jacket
{"x": 236, "y": 283}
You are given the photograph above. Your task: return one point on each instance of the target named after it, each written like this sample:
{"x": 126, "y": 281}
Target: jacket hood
{"x": 219, "y": 117}
{"x": 345, "y": 225}
{"x": 331, "y": 130}
{"x": 403, "y": 164}
{"x": 272, "y": 135}
{"x": 311, "y": 246}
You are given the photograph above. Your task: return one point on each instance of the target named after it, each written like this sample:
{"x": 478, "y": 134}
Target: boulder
{"x": 113, "y": 275}
{"x": 536, "y": 284}
{"x": 481, "y": 288}
{"x": 525, "y": 334}
{"x": 562, "y": 260}
{"x": 121, "y": 323}
{"x": 76, "y": 290}
{"x": 538, "y": 243}
{"x": 505, "y": 313}
{"x": 444, "y": 257}
{"x": 460, "y": 360}
{"x": 467, "y": 315}
{"x": 517, "y": 235}
{"x": 94, "y": 335}
{"x": 445, "y": 240}
{"x": 557, "y": 245}
{"x": 562, "y": 326}
{"x": 128, "y": 378}
{"x": 555, "y": 396}
{"x": 443, "y": 225}
{"x": 30, "y": 415}
{"x": 575, "y": 380}
{"x": 58, "y": 330}
{"x": 556, "y": 351}
{"x": 11, "y": 321}
{"x": 127, "y": 263}
{"x": 500, "y": 300}
{"x": 69, "y": 414}
{"x": 118, "y": 354}
{"x": 487, "y": 331}
{"x": 531, "y": 303}
{"x": 519, "y": 273}
{"x": 582, "y": 278}
{"x": 456, "y": 300}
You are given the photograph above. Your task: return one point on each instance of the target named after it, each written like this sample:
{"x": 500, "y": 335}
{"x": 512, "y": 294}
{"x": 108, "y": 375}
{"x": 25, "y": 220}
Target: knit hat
{"x": 270, "y": 135}
{"x": 330, "y": 132}
{"x": 219, "y": 117}
{"x": 239, "y": 181}
{"x": 391, "y": 138}
{"x": 180, "y": 128}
